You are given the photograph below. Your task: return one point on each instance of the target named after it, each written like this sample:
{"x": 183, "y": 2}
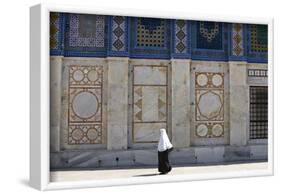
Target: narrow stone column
{"x": 239, "y": 103}
{"x": 180, "y": 102}
{"x": 117, "y": 106}
{"x": 55, "y": 102}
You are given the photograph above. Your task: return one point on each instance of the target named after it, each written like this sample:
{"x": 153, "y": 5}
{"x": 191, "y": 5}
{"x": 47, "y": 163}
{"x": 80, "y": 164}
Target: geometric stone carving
{"x": 150, "y": 102}
{"x": 209, "y": 104}
{"x": 202, "y": 80}
{"x": 82, "y": 109}
{"x": 85, "y": 104}
{"x": 217, "y": 80}
{"x": 85, "y": 134}
{"x": 209, "y": 130}
{"x": 209, "y": 80}
{"x": 82, "y": 76}
{"x": 202, "y": 130}
{"x": 217, "y": 130}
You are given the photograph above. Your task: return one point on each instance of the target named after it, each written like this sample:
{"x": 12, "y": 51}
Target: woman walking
{"x": 164, "y": 148}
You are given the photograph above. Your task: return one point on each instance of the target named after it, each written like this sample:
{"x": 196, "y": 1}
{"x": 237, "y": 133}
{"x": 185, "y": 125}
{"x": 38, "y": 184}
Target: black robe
{"x": 163, "y": 161}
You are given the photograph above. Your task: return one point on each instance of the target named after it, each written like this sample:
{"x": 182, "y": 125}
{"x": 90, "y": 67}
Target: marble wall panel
{"x": 147, "y": 132}
{"x": 85, "y": 104}
{"x": 239, "y": 103}
{"x": 151, "y": 75}
{"x": 209, "y": 91}
{"x": 209, "y": 103}
{"x": 149, "y": 102}
{"x": 117, "y": 106}
{"x": 180, "y": 108}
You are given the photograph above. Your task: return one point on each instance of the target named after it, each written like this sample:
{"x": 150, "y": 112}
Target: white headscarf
{"x": 164, "y": 142}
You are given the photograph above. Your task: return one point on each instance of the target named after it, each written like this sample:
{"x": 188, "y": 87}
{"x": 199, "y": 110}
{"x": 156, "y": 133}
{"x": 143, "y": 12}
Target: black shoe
{"x": 170, "y": 169}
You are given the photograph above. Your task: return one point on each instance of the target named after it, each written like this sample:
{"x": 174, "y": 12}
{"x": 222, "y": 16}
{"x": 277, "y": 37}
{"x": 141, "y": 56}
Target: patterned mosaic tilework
{"x": 237, "y": 40}
{"x": 181, "y": 36}
{"x": 150, "y": 38}
{"x": 118, "y": 33}
{"x": 150, "y": 32}
{"x": 217, "y": 49}
{"x": 86, "y": 30}
{"x": 85, "y": 104}
{"x": 209, "y": 35}
{"x": 258, "y": 39}
{"x": 54, "y": 30}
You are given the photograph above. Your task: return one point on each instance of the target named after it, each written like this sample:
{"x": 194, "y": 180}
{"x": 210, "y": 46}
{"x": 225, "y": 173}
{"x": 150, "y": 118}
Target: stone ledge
{"x": 148, "y": 157}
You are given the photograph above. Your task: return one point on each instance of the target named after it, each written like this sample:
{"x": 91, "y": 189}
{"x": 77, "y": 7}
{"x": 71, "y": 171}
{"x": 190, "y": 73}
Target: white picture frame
{"x": 40, "y": 100}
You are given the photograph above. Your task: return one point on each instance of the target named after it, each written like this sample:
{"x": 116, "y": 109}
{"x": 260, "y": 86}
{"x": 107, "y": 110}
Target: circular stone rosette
{"x": 217, "y": 130}
{"x": 202, "y": 130}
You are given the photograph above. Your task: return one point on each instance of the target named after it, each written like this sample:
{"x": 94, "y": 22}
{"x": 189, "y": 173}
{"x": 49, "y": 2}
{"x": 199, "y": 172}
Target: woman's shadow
{"x": 153, "y": 174}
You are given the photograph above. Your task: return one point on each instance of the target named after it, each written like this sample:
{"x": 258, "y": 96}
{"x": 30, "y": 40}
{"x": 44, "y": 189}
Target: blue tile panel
{"x": 209, "y": 41}
{"x": 257, "y": 46}
{"x": 209, "y": 35}
{"x": 150, "y": 38}
{"x": 181, "y": 42}
{"x": 56, "y": 33}
{"x": 237, "y": 42}
{"x": 84, "y": 35}
{"x": 118, "y": 36}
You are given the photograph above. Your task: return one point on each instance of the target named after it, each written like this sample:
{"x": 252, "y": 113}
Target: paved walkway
{"x": 98, "y": 174}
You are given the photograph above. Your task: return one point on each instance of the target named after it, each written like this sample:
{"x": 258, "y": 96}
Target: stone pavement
{"x": 98, "y": 174}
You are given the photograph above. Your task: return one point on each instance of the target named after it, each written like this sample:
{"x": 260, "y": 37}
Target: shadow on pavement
{"x": 154, "y": 174}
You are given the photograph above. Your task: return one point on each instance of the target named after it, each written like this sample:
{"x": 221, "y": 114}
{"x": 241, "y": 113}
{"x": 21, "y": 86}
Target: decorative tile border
{"x": 237, "y": 40}
{"x": 257, "y": 73}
